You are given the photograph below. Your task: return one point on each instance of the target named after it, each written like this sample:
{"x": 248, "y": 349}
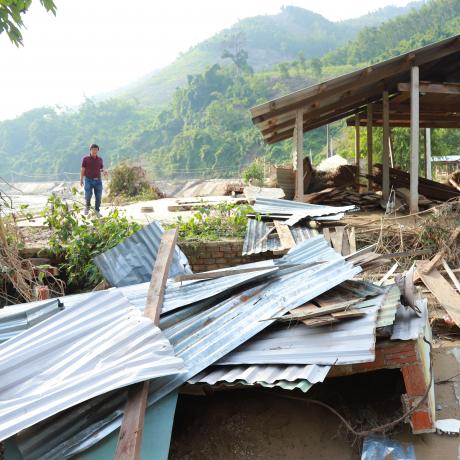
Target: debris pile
{"x": 283, "y": 322}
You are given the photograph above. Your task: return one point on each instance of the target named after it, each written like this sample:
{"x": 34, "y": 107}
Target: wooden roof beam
{"x": 437, "y": 88}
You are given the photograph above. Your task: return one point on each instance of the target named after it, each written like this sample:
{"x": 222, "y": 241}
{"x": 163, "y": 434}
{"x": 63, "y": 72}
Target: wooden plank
{"x": 239, "y": 271}
{"x": 155, "y": 293}
{"x": 352, "y": 240}
{"x": 434, "y": 88}
{"x": 442, "y": 290}
{"x": 132, "y": 427}
{"x": 414, "y": 139}
{"x": 337, "y": 239}
{"x": 370, "y": 147}
{"x": 322, "y": 321}
{"x": 345, "y": 243}
{"x": 387, "y": 274}
{"x": 347, "y": 314}
{"x": 428, "y": 153}
{"x": 386, "y": 151}
{"x": 298, "y": 147}
{"x": 451, "y": 275}
{"x": 327, "y": 235}
{"x": 436, "y": 260}
{"x": 285, "y": 235}
{"x": 220, "y": 273}
{"x": 357, "y": 151}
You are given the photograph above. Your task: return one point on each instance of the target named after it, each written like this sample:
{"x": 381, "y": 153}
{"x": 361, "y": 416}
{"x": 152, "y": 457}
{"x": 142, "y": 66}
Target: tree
{"x": 11, "y": 12}
{"x": 232, "y": 48}
{"x": 302, "y": 60}
{"x": 317, "y": 67}
{"x": 284, "y": 69}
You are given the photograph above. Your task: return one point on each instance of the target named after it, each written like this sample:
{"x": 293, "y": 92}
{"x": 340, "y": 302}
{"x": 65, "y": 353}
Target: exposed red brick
{"x": 414, "y": 380}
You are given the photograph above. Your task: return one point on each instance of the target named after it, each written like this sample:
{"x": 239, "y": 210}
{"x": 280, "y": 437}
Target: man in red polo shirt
{"x": 92, "y": 167}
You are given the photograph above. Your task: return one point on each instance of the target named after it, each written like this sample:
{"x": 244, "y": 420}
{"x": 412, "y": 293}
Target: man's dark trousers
{"x": 90, "y": 185}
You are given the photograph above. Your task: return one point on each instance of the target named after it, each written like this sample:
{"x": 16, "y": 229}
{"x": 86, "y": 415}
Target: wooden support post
{"x": 357, "y": 151}
{"x": 370, "y": 159}
{"x": 328, "y": 142}
{"x": 386, "y": 149}
{"x": 298, "y": 155}
{"x": 428, "y": 153}
{"x": 130, "y": 438}
{"x": 414, "y": 138}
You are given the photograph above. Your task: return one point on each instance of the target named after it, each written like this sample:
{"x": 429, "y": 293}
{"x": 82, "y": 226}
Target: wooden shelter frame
{"x": 419, "y": 89}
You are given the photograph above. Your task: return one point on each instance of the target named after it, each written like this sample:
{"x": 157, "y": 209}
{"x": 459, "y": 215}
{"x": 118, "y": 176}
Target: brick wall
{"x": 211, "y": 255}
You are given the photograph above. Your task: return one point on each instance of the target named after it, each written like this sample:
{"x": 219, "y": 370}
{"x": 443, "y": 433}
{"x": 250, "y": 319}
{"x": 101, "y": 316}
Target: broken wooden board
{"x": 285, "y": 235}
{"x": 337, "y": 239}
{"x": 451, "y": 274}
{"x": 348, "y": 314}
{"x": 352, "y": 240}
{"x": 442, "y": 290}
{"x": 321, "y": 321}
{"x": 132, "y": 426}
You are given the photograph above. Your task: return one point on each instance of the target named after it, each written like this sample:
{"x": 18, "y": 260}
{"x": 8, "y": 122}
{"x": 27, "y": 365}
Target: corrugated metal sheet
{"x": 79, "y": 353}
{"x": 297, "y": 211}
{"x": 347, "y": 342}
{"x": 257, "y": 374}
{"x": 256, "y": 230}
{"x": 391, "y": 302}
{"x": 177, "y": 294}
{"x": 201, "y": 336}
{"x": 408, "y": 325}
{"x": 131, "y": 262}
{"x": 14, "y": 320}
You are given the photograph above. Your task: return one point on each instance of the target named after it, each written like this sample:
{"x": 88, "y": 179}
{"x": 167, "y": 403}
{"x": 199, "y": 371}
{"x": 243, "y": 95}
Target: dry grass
{"x": 16, "y": 271}
{"x": 429, "y": 230}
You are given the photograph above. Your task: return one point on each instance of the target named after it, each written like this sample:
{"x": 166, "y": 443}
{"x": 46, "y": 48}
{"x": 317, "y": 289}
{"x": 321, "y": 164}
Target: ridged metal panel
{"x": 131, "y": 262}
{"x": 297, "y": 211}
{"x": 269, "y": 374}
{"x": 408, "y": 325}
{"x": 347, "y": 342}
{"x": 201, "y": 336}
{"x": 390, "y": 304}
{"x": 177, "y": 294}
{"x": 255, "y": 243}
{"x": 16, "y": 320}
{"x": 97, "y": 346}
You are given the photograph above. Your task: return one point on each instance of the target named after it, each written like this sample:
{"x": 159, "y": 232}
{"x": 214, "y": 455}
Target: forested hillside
{"x": 433, "y": 21}
{"x": 206, "y": 130}
{"x": 268, "y": 40}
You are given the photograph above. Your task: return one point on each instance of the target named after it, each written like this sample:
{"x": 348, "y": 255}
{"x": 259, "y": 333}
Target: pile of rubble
{"x": 282, "y": 322}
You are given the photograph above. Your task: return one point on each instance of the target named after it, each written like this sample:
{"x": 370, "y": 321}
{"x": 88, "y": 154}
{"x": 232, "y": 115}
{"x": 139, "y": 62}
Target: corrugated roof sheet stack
{"x": 279, "y": 225}
{"x": 226, "y": 328}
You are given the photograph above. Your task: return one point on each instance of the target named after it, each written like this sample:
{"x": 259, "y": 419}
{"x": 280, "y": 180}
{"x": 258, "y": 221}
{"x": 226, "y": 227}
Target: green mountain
{"x": 433, "y": 21}
{"x": 268, "y": 40}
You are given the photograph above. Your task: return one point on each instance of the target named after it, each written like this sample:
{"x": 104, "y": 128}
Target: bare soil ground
{"x": 264, "y": 424}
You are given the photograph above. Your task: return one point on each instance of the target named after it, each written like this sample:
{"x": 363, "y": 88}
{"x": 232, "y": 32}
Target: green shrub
{"x": 255, "y": 172}
{"x": 207, "y": 224}
{"x": 76, "y": 239}
{"x": 131, "y": 181}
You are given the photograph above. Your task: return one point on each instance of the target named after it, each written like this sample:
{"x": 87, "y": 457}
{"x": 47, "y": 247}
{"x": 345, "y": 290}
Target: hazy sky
{"x": 95, "y": 46}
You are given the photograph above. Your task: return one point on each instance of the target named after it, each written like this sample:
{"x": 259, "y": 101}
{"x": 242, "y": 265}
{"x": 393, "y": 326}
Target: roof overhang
{"x": 349, "y": 94}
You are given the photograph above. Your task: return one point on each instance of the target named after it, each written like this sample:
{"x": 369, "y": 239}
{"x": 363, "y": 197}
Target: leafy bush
{"x": 76, "y": 239}
{"x": 207, "y": 224}
{"x": 131, "y": 181}
{"x": 255, "y": 172}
